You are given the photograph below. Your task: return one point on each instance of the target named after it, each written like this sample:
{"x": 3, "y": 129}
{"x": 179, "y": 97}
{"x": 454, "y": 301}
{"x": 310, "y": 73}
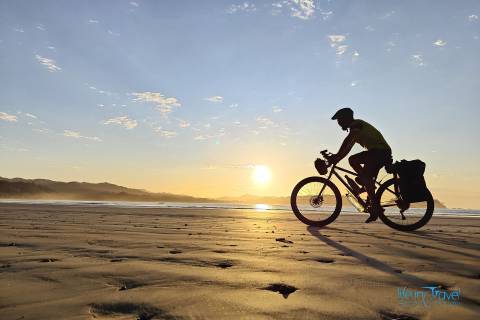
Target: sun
{"x": 261, "y": 174}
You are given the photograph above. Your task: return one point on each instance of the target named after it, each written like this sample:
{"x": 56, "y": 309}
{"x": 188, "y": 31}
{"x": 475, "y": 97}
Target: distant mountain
{"x": 18, "y": 188}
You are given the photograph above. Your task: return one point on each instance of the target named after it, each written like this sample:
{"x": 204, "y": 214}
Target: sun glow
{"x": 261, "y": 174}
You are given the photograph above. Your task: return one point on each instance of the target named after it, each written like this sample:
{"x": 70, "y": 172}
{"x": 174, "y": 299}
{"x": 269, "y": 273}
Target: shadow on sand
{"x": 411, "y": 280}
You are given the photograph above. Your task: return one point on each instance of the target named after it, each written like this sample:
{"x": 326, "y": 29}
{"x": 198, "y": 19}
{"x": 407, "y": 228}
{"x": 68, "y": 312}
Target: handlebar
{"x": 325, "y": 153}
{"x": 327, "y": 156}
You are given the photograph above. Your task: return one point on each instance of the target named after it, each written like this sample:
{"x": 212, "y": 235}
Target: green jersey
{"x": 368, "y": 136}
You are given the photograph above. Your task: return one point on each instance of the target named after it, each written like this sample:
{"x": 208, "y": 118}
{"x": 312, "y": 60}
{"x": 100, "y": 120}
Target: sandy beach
{"x": 87, "y": 262}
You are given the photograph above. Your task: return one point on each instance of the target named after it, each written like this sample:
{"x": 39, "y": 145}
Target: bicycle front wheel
{"x": 316, "y": 201}
{"x": 414, "y": 215}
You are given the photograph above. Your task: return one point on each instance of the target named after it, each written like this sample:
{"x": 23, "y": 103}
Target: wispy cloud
{"x": 8, "y": 117}
{"x": 440, "y": 43}
{"x": 165, "y": 133}
{"x": 336, "y": 41}
{"x": 18, "y": 30}
{"x": 77, "y": 135}
{"x": 41, "y": 27}
{"x": 216, "y": 99}
{"x": 122, "y": 121}
{"x": 116, "y": 34}
{"x": 93, "y": 21}
{"x": 31, "y": 115}
{"x": 49, "y": 63}
{"x": 388, "y": 14}
{"x": 302, "y": 9}
{"x": 472, "y": 18}
{"x": 164, "y": 105}
{"x": 134, "y": 4}
{"x": 244, "y": 7}
{"x": 277, "y": 109}
{"x": 342, "y": 49}
{"x": 183, "y": 123}
{"x": 264, "y": 122}
{"x": 418, "y": 60}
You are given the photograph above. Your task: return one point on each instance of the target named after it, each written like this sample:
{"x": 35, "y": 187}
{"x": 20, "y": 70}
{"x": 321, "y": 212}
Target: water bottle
{"x": 354, "y": 202}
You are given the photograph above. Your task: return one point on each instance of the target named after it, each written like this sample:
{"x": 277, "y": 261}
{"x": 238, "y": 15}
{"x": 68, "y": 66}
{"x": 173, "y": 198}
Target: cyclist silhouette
{"x": 368, "y": 163}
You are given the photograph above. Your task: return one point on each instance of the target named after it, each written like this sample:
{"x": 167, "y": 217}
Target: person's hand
{"x": 333, "y": 159}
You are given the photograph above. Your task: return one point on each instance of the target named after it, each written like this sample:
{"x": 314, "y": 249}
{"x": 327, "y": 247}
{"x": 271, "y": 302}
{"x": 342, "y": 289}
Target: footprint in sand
{"x": 175, "y": 251}
{"x": 283, "y": 240}
{"x": 48, "y": 260}
{"x": 127, "y": 284}
{"x": 324, "y": 260}
{"x": 140, "y": 311}
{"x": 224, "y": 264}
{"x": 284, "y": 289}
{"x": 387, "y": 315}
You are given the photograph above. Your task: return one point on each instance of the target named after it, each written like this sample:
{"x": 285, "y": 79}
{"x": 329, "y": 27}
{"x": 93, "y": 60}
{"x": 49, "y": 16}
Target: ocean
{"x": 212, "y": 206}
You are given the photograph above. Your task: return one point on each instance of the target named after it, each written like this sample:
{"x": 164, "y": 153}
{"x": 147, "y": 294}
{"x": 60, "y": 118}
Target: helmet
{"x": 343, "y": 113}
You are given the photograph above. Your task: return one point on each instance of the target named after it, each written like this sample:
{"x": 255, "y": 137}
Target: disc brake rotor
{"x": 316, "y": 201}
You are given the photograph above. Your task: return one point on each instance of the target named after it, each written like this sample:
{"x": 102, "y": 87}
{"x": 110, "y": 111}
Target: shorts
{"x": 372, "y": 161}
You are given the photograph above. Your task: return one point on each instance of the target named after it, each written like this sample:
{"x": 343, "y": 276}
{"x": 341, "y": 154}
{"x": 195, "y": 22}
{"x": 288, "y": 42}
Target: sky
{"x": 191, "y": 96}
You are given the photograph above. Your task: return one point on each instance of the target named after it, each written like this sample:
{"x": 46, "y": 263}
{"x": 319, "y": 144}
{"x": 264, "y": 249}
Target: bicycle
{"x": 316, "y": 200}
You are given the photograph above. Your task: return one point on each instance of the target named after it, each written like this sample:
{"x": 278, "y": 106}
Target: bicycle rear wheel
{"x": 415, "y": 215}
{"x": 316, "y": 201}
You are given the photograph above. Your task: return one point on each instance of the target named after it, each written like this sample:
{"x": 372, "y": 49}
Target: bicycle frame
{"x": 333, "y": 171}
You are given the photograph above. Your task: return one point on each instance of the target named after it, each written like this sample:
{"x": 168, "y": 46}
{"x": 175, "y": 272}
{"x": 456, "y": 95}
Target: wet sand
{"x": 85, "y": 262}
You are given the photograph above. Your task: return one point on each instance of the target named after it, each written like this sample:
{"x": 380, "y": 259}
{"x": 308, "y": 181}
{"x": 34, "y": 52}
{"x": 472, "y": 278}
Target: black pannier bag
{"x": 412, "y": 183}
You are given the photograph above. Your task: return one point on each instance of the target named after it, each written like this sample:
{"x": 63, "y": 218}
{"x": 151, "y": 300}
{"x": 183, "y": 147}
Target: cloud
{"x": 93, "y": 21}
{"x": 122, "y": 121}
{"x": 390, "y": 45}
{"x": 472, "y": 18}
{"x": 277, "y": 109}
{"x": 49, "y": 63}
{"x": 164, "y": 105}
{"x": 183, "y": 123}
{"x": 113, "y": 33}
{"x": 165, "y": 133}
{"x": 440, "y": 43}
{"x": 418, "y": 60}
{"x": 388, "y": 14}
{"x": 302, "y": 9}
{"x": 342, "y": 49}
{"x": 77, "y": 135}
{"x": 8, "y": 117}
{"x": 244, "y": 7}
{"x": 215, "y": 99}
{"x": 264, "y": 122}
{"x": 134, "y": 4}
{"x": 336, "y": 41}
{"x": 200, "y": 137}
{"x": 18, "y": 30}
{"x": 41, "y": 27}
{"x": 31, "y": 115}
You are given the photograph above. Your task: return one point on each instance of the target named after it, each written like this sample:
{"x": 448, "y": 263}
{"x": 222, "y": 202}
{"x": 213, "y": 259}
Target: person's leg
{"x": 375, "y": 161}
{"x": 357, "y": 160}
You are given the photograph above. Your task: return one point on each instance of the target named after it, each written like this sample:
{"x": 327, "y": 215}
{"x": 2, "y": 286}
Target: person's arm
{"x": 345, "y": 148}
